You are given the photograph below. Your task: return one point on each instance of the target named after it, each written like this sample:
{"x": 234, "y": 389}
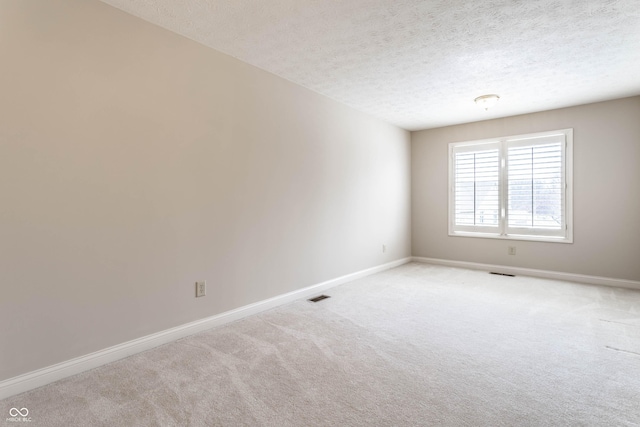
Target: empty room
{"x": 320, "y": 213}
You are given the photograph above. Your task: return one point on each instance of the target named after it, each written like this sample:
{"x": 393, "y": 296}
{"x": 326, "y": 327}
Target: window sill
{"x": 528, "y": 238}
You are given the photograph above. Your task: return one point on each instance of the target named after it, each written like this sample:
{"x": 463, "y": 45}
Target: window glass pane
{"x": 535, "y": 186}
{"x": 477, "y": 196}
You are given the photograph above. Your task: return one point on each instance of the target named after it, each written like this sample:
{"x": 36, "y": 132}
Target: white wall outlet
{"x": 201, "y": 289}
{"x": 512, "y": 250}
{"x": 384, "y": 248}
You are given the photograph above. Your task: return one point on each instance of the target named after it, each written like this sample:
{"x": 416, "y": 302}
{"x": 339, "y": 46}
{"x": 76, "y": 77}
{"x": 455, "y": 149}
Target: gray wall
{"x": 606, "y": 192}
{"x": 134, "y": 162}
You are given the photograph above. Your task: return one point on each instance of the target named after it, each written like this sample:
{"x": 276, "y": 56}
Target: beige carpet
{"x": 416, "y": 345}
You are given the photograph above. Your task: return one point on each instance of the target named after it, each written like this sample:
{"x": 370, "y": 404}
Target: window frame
{"x": 502, "y": 231}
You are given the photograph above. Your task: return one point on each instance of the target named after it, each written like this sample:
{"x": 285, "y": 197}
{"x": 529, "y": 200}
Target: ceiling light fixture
{"x": 487, "y": 101}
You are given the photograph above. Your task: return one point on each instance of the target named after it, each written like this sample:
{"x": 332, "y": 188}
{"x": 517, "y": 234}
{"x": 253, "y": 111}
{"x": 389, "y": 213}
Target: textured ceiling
{"x": 420, "y": 63}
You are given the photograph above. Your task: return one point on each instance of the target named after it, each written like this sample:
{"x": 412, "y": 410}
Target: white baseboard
{"x": 47, "y": 375}
{"x": 546, "y": 274}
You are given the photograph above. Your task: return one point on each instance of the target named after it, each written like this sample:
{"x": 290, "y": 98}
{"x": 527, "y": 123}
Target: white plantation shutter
{"x": 476, "y": 188}
{"x": 535, "y": 186}
{"x": 512, "y": 188}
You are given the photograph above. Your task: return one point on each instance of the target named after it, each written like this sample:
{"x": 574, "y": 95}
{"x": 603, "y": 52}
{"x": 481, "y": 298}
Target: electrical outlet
{"x": 384, "y": 248}
{"x": 512, "y": 250}
{"x": 201, "y": 289}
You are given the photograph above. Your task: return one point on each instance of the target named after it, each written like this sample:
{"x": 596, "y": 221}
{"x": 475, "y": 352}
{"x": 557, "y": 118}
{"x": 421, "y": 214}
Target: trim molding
{"x": 44, "y": 376}
{"x": 546, "y": 274}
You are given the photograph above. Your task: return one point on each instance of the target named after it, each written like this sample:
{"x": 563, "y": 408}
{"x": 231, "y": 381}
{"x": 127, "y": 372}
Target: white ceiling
{"x": 420, "y": 63}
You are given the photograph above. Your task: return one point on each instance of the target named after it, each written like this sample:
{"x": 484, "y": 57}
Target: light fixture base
{"x": 487, "y": 101}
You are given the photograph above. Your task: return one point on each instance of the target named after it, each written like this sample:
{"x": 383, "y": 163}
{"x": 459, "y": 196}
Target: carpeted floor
{"x": 417, "y": 345}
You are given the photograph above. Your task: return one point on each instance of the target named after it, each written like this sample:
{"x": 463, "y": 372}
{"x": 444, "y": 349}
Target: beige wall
{"x": 606, "y": 192}
{"x": 134, "y": 162}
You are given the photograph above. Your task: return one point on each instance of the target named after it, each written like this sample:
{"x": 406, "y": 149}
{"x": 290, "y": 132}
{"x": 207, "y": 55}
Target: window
{"x": 516, "y": 187}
